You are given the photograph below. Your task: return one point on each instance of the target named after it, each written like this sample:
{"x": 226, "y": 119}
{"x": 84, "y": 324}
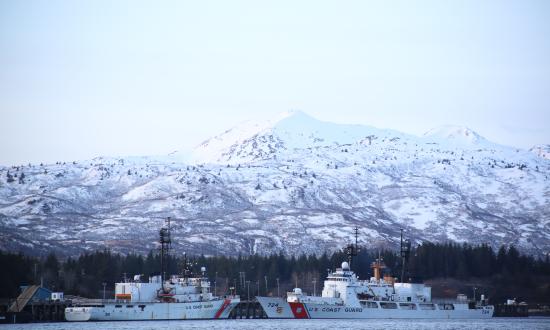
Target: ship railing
{"x": 87, "y": 301}
{"x": 228, "y": 296}
{"x": 449, "y": 301}
{"x": 95, "y": 302}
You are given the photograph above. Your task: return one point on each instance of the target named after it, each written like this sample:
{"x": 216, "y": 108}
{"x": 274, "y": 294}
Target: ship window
{"x": 118, "y": 306}
{"x": 427, "y": 306}
{"x": 129, "y": 306}
{"x": 369, "y": 304}
{"x": 388, "y": 305}
{"x": 446, "y": 306}
{"x": 407, "y": 306}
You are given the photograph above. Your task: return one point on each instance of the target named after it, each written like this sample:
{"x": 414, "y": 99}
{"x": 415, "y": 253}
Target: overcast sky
{"x": 80, "y": 79}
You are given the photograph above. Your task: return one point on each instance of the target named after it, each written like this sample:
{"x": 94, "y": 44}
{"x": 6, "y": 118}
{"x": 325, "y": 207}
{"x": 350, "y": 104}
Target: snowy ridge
{"x": 290, "y": 131}
{"x": 455, "y": 134}
{"x": 293, "y": 184}
{"x": 541, "y": 150}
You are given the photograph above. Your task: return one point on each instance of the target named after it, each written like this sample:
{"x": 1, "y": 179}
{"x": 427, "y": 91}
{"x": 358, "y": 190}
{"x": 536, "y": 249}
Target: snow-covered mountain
{"x": 292, "y": 184}
{"x": 455, "y": 134}
{"x": 541, "y": 150}
{"x": 291, "y": 132}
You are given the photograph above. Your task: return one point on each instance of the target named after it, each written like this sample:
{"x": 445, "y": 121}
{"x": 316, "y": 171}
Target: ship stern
{"x": 78, "y": 314}
{"x": 227, "y": 307}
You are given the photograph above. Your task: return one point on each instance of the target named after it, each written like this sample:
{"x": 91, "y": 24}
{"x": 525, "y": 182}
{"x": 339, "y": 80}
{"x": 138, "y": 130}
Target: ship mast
{"x": 351, "y": 249}
{"x": 405, "y": 252}
{"x": 377, "y": 266}
{"x": 165, "y": 241}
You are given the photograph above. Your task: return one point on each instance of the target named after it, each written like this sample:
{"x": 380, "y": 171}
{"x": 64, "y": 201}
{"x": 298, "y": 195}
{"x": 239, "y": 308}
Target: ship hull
{"x": 215, "y": 309}
{"x": 280, "y": 308}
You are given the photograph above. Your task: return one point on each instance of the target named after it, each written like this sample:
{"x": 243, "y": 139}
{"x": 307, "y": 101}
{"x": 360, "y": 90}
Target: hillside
{"x": 293, "y": 184}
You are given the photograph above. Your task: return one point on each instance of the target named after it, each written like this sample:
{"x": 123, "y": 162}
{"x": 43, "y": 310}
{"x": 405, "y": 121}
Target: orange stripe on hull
{"x": 123, "y": 296}
{"x": 222, "y": 308}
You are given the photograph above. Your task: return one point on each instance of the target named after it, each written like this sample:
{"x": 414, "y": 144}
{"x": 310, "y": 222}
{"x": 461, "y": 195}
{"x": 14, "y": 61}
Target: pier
{"x": 42, "y": 311}
{"x": 248, "y": 310}
{"x": 515, "y": 310}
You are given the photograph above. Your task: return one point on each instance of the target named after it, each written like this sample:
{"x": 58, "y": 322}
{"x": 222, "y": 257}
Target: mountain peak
{"x": 285, "y": 132}
{"x": 296, "y": 119}
{"x": 294, "y": 129}
{"x": 455, "y": 133}
{"x": 293, "y": 113}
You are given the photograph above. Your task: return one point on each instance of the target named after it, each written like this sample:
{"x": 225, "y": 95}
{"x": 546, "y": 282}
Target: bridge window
{"x": 407, "y": 306}
{"x": 388, "y": 305}
{"x": 369, "y": 304}
{"x": 427, "y": 306}
{"x": 446, "y": 306}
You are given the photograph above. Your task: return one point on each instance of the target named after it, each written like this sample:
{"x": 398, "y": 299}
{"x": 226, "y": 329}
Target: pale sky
{"x": 80, "y": 79}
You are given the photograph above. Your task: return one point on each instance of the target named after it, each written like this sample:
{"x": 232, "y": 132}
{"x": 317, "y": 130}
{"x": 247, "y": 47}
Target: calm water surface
{"x": 494, "y": 323}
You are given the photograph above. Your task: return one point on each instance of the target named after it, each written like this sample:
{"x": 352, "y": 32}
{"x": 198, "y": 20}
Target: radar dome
{"x": 345, "y": 265}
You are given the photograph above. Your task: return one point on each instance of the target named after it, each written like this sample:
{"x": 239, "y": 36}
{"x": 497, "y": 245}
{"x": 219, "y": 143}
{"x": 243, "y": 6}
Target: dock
{"x": 248, "y": 310}
{"x": 42, "y": 311}
{"x": 515, "y": 310}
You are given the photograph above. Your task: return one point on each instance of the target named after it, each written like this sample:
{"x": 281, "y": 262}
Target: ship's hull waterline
{"x": 279, "y": 308}
{"x": 215, "y": 309}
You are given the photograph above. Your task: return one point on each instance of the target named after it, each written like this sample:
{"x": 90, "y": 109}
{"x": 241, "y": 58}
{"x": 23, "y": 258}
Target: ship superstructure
{"x": 344, "y": 295}
{"x": 185, "y": 296}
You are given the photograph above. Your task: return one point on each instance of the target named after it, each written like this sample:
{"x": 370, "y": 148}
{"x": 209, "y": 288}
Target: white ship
{"x": 176, "y": 298}
{"x": 347, "y": 297}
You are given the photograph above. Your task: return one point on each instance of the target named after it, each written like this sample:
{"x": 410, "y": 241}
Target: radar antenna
{"x": 187, "y": 266}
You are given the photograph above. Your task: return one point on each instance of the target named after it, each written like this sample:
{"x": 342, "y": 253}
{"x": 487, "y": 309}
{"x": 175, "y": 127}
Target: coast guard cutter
{"x": 174, "y": 298}
{"x": 346, "y": 296}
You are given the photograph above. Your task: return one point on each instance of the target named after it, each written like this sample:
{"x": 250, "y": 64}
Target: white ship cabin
{"x": 412, "y": 292}
{"x": 175, "y": 289}
{"x": 297, "y": 296}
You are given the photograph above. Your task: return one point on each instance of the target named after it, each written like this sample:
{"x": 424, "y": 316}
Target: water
{"x": 488, "y": 324}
